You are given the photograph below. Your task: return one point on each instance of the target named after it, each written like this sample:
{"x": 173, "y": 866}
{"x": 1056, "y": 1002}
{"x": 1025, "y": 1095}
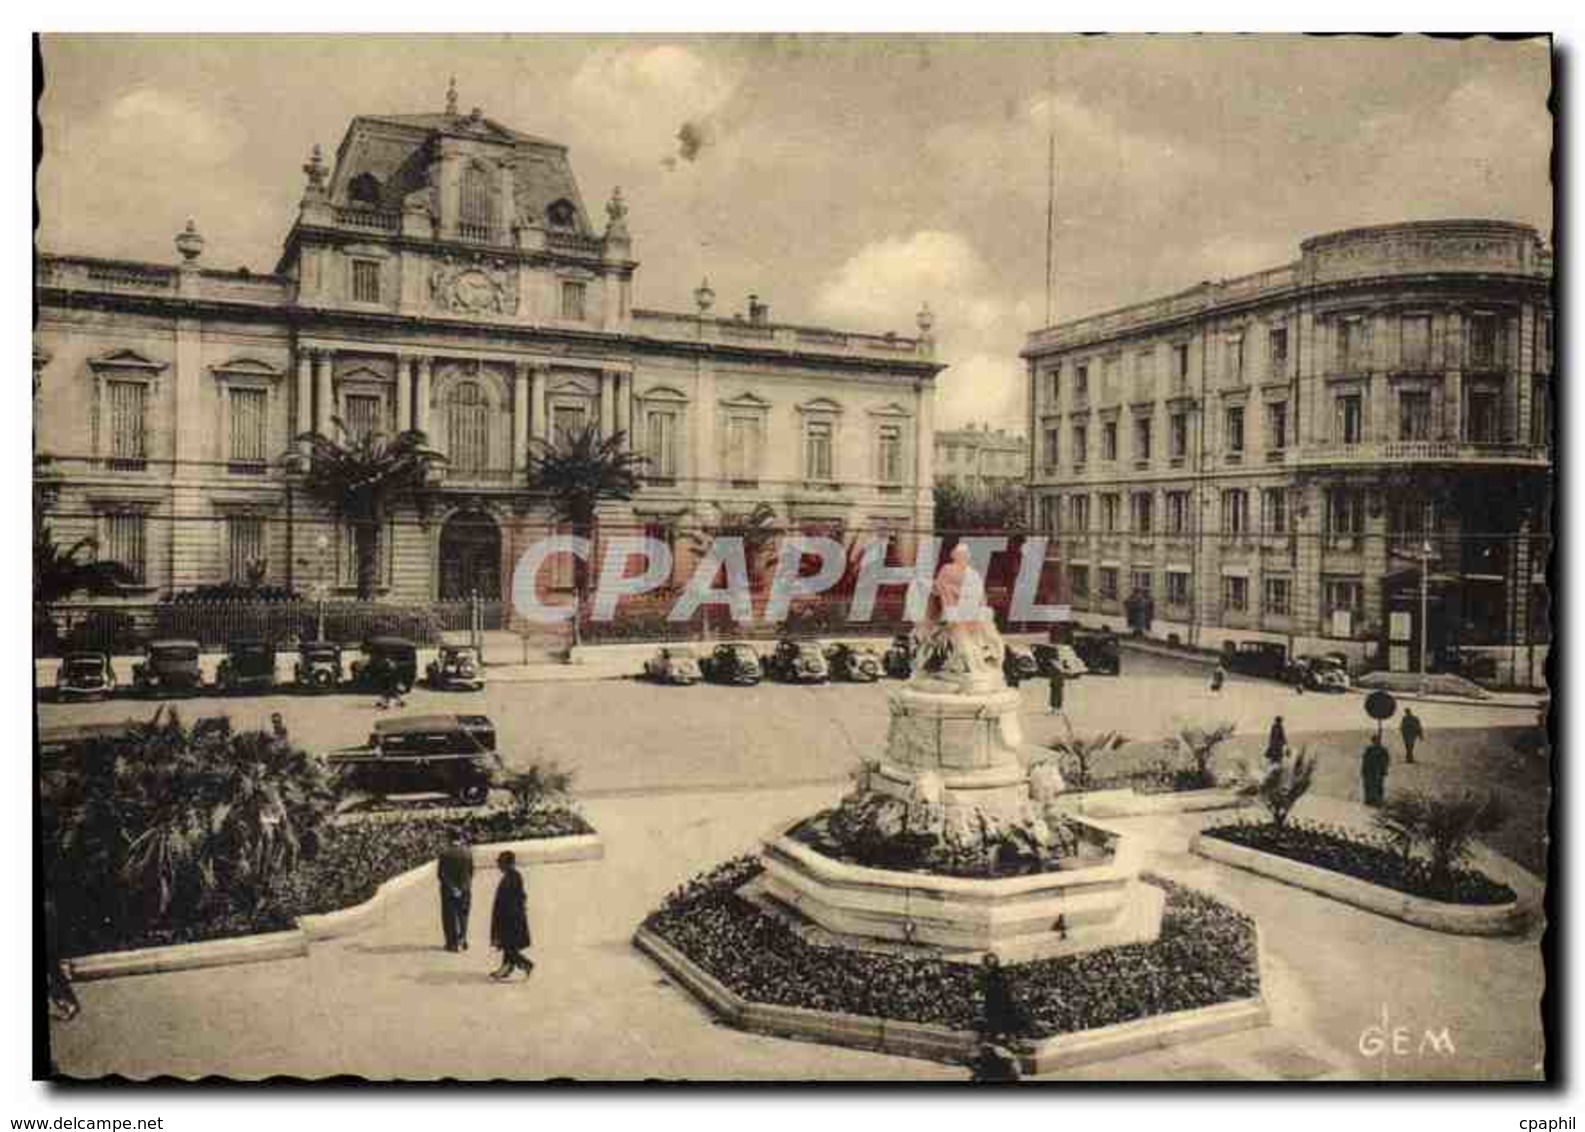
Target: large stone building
{"x": 444, "y": 275}
{"x": 1277, "y": 455}
{"x": 980, "y": 458}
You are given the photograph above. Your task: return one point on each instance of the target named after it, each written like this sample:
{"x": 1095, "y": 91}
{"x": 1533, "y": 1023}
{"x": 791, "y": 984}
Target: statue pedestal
{"x": 973, "y": 742}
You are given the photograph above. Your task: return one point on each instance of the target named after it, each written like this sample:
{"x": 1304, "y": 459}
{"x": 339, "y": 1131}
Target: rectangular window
{"x": 1277, "y": 348}
{"x": 1416, "y": 332}
{"x": 1050, "y": 512}
{"x": 249, "y": 447}
{"x": 1109, "y": 440}
{"x": 1540, "y": 411}
{"x": 1274, "y": 596}
{"x": 1544, "y": 349}
{"x": 1414, "y": 415}
{"x": 1143, "y": 518}
{"x": 1235, "y": 360}
{"x": 365, "y": 281}
{"x": 1145, "y": 375}
{"x": 1081, "y": 445}
{"x": 817, "y": 450}
{"x": 1177, "y": 512}
{"x": 1052, "y": 452}
{"x": 1483, "y": 339}
{"x": 1276, "y": 426}
{"x": 1177, "y": 588}
{"x": 572, "y": 297}
{"x": 1235, "y": 594}
{"x": 1143, "y": 582}
{"x": 1081, "y": 386}
{"x": 1345, "y": 512}
{"x": 1108, "y": 583}
{"x": 1343, "y": 595}
{"x": 1053, "y": 387}
{"x": 567, "y": 422}
{"x": 1274, "y": 510}
{"x": 661, "y": 446}
{"x": 1482, "y": 422}
{"x": 1142, "y": 438}
{"x": 128, "y": 435}
{"x": 889, "y": 455}
{"x": 1235, "y": 511}
{"x": 244, "y": 546}
{"x": 1111, "y": 504}
{"x": 1109, "y": 380}
{"x": 363, "y": 415}
{"x": 124, "y": 541}
{"x": 1079, "y": 581}
{"x": 1234, "y": 439}
{"x": 1178, "y": 436}
{"x": 743, "y": 448}
{"x": 1180, "y": 367}
{"x": 1353, "y": 345}
{"x": 1350, "y": 421}
{"x": 1079, "y": 514}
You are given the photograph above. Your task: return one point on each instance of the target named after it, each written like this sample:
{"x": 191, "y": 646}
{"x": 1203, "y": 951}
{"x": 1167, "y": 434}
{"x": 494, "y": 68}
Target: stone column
{"x": 421, "y": 407}
{"x": 323, "y": 403}
{"x": 539, "y": 380}
{"x": 404, "y": 393}
{"x": 521, "y": 376}
{"x": 607, "y": 402}
{"x": 1453, "y": 399}
{"x": 924, "y": 458}
{"x": 305, "y": 391}
{"x": 1523, "y": 373}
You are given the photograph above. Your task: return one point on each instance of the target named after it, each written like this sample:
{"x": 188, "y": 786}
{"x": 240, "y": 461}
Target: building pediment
{"x": 127, "y": 360}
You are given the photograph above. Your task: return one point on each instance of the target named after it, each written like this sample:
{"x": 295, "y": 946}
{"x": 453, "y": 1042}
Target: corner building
{"x": 444, "y": 274}
{"x": 1283, "y": 455}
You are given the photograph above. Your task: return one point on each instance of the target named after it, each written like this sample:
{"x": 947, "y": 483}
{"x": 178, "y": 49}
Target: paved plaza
{"x": 677, "y": 780}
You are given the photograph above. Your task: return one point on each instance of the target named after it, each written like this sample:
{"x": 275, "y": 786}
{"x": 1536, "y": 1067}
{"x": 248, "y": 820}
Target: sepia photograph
{"x": 766, "y": 558}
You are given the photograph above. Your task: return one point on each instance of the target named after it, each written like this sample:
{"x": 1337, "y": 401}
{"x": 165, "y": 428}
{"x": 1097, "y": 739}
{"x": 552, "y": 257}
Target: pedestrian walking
{"x": 455, "y": 872}
{"x": 1373, "y": 771}
{"x": 509, "y": 920}
{"x": 1054, "y": 684}
{"x": 1218, "y": 676}
{"x": 1001, "y": 1017}
{"x": 1276, "y": 742}
{"x": 58, "y": 984}
{"x": 1412, "y": 731}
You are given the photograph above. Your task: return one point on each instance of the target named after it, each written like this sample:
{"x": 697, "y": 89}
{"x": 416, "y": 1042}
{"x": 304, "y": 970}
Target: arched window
{"x": 562, "y": 214}
{"x": 477, "y": 215}
{"x": 364, "y": 189}
{"x": 468, "y": 428}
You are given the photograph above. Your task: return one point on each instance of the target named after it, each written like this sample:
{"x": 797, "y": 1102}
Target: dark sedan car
{"x": 388, "y": 660}
{"x": 249, "y": 665}
{"x": 732, "y": 663}
{"x": 859, "y": 664}
{"x": 1267, "y": 659}
{"x": 318, "y": 666}
{"x": 899, "y": 660}
{"x": 1018, "y": 665}
{"x": 168, "y": 667}
{"x": 798, "y": 662}
{"x": 84, "y": 676}
{"x": 423, "y": 754}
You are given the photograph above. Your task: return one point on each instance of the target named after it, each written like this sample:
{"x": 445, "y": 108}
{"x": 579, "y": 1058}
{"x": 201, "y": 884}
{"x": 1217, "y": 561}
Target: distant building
{"x": 980, "y": 457}
{"x": 444, "y": 274}
{"x": 1272, "y": 456}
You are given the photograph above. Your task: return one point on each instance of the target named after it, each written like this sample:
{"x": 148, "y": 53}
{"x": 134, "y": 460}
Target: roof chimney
{"x": 758, "y": 312}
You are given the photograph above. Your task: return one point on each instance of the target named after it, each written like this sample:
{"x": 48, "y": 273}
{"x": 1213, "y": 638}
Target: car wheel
{"x": 474, "y": 794}
{"x": 404, "y": 685}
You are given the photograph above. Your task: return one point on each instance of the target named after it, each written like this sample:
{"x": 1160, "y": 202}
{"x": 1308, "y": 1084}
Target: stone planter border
{"x": 1128, "y": 802}
{"x": 937, "y": 1043}
{"x": 295, "y": 943}
{"x": 1455, "y": 919}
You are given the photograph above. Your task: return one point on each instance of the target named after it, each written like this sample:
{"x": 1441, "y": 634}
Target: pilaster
{"x": 323, "y": 362}
{"x": 404, "y": 392}
{"x": 521, "y": 376}
{"x": 424, "y": 392}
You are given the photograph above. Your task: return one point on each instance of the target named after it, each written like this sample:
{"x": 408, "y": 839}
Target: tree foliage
{"x": 1285, "y": 784}
{"x": 1202, "y": 743}
{"x": 962, "y": 509}
{"x": 1081, "y": 752}
{"x": 1442, "y": 826}
{"x": 59, "y": 572}
{"x": 758, "y": 529}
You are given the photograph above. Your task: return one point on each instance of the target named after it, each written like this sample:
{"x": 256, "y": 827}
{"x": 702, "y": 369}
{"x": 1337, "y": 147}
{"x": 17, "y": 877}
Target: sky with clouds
{"x": 844, "y": 179}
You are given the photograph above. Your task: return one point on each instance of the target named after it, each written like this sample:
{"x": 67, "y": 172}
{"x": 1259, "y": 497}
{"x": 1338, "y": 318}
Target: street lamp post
{"x": 323, "y": 544}
{"x": 1425, "y": 602}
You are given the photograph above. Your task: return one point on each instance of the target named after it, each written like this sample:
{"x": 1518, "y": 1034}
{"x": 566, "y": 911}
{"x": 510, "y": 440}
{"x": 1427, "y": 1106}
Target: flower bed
{"x": 1362, "y": 856}
{"x": 350, "y": 862}
{"x": 1206, "y": 954}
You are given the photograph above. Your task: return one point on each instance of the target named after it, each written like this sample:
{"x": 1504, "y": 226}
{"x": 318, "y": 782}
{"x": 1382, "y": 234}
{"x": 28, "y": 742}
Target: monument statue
{"x": 958, "y": 636}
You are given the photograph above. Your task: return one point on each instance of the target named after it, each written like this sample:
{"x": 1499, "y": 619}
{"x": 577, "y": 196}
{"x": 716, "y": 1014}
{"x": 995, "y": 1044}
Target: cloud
{"x": 663, "y": 99}
{"x": 148, "y": 117}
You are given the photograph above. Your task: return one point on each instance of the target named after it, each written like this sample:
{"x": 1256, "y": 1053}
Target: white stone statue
{"x": 1045, "y": 782}
{"x": 958, "y": 636}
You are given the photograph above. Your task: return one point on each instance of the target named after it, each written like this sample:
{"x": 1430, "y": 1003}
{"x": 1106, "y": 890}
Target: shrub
{"x": 1284, "y": 784}
{"x": 1444, "y": 827}
{"x": 541, "y": 785}
{"x": 1079, "y": 753}
{"x": 1201, "y": 744}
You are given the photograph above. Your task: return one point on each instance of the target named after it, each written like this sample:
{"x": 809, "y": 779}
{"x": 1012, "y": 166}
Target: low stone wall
{"x": 1455, "y": 919}
{"x": 324, "y": 926}
{"x": 1128, "y": 802}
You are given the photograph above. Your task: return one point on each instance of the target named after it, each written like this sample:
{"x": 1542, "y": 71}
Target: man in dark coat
{"x": 1001, "y": 1015}
{"x": 509, "y": 920}
{"x": 455, "y": 872}
{"x": 1411, "y": 729}
{"x": 1276, "y": 742}
{"x": 1055, "y": 682}
{"x": 1373, "y": 771}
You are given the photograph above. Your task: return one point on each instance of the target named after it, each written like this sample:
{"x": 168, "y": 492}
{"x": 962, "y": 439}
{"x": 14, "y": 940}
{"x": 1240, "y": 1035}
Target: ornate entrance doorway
{"x": 470, "y": 557}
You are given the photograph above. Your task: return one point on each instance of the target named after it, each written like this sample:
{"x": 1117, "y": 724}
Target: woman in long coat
{"x": 509, "y": 920}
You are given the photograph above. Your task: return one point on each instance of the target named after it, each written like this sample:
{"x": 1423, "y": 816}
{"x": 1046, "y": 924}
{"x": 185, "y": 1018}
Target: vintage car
{"x": 83, "y": 676}
{"x": 1319, "y": 673}
{"x": 797, "y": 662}
{"x": 249, "y": 665}
{"x": 860, "y": 664}
{"x": 1059, "y": 658}
{"x": 899, "y": 660}
{"x": 168, "y": 667}
{"x": 457, "y": 668}
{"x": 318, "y": 666}
{"x": 1098, "y": 650}
{"x": 732, "y": 663}
{"x": 1018, "y": 664}
{"x": 386, "y": 657}
{"x": 1267, "y": 659}
{"x": 422, "y": 754}
{"x": 673, "y": 664}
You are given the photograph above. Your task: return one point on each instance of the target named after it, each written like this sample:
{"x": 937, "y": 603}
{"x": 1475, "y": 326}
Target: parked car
{"x": 422, "y": 754}
{"x": 249, "y": 665}
{"x": 860, "y": 664}
{"x": 899, "y": 659}
{"x": 1266, "y": 659}
{"x": 1018, "y": 665}
{"x": 385, "y": 654}
{"x": 732, "y": 663}
{"x": 1098, "y": 650}
{"x": 673, "y": 664}
{"x": 318, "y": 665}
{"x": 84, "y": 676}
{"x": 797, "y": 662}
{"x": 457, "y": 668}
{"x": 1064, "y": 658}
{"x": 168, "y": 667}
{"x": 1319, "y": 673}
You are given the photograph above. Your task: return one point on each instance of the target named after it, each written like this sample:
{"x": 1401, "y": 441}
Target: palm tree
{"x": 757, "y": 530}
{"x": 59, "y": 573}
{"x": 362, "y": 478}
{"x": 1081, "y": 751}
{"x": 577, "y": 472}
